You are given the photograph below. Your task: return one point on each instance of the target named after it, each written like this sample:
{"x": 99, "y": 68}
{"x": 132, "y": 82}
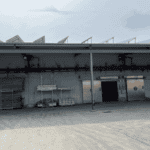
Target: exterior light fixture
{"x": 25, "y": 57}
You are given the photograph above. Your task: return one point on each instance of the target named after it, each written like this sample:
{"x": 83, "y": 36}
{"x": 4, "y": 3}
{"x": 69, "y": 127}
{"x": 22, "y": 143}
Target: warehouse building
{"x": 70, "y": 74}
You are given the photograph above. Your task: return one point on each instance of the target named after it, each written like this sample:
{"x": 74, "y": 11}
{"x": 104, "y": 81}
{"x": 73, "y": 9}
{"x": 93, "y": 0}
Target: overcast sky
{"x": 78, "y": 19}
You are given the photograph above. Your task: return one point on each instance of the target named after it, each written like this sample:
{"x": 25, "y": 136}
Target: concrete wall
{"x": 147, "y": 87}
{"x": 70, "y": 79}
{"x": 68, "y": 60}
{"x": 122, "y": 90}
{"x": 98, "y": 92}
{"x": 62, "y": 80}
{"x": 141, "y": 59}
{"x": 11, "y": 61}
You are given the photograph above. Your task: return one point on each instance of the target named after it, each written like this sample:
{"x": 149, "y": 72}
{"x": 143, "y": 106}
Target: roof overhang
{"x": 73, "y": 48}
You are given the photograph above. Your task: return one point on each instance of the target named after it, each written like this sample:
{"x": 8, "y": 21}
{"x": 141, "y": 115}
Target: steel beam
{"x": 79, "y": 51}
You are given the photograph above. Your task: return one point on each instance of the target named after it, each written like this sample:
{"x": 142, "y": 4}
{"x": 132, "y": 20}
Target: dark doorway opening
{"x": 109, "y": 91}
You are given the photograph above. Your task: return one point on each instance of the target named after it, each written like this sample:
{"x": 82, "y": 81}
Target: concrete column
{"x": 41, "y": 90}
{"x": 92, "y": 85}
{"x": 28, "y": 89}
{"x": 1, "y": 93}
{"x": 126, "y": 89}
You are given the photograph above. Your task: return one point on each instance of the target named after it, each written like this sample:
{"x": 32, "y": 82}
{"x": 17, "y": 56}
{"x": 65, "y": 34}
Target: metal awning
{"x": 73, "y": 48}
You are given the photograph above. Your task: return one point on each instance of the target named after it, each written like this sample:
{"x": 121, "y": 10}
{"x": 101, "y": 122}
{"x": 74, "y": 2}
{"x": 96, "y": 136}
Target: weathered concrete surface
{"x": 75, "y": 128}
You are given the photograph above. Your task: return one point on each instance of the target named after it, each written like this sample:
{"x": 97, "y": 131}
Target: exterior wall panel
{"x": 69, "y": 79}
{"x": 0, "y": 93}
{"x": 147, "y": 87}
{"x": 62, "y": 80}
{"x": 141, "y": 59}
{"x": 122, "y": 90}
{"x": 51, "y": 60}
{"x": 68, "y": 60}
{"x": 102, "y": 59}
{"x": 11, "y": 61}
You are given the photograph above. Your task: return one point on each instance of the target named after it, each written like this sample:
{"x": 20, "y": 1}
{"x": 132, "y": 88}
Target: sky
{"x": 78, "y": 19}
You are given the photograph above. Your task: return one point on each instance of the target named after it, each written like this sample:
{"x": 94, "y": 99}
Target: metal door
{"x": 135, "y": 89}
{"x": 97, "y": 91}
{"x": 87, "y": 91}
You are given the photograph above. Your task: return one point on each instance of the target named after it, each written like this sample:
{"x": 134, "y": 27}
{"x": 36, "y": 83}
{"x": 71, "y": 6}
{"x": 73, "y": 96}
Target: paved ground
{"x": 126, "y": 127}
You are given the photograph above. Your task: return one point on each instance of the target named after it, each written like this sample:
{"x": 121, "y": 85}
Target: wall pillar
{"x": 122, "y": 91}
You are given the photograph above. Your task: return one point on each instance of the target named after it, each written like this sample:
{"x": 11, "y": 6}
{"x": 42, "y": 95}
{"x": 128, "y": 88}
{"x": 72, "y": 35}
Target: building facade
{"x": 71, "y": 84}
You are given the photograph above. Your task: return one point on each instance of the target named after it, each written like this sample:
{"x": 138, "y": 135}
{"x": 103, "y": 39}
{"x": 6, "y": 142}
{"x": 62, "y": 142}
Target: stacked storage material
{"x": 66, "y": 102}
{"x": 17, "y": 100}
{"x": 52, "y": 104}
{"x": 11, "y": 92}
{"x": 48, "y": 102}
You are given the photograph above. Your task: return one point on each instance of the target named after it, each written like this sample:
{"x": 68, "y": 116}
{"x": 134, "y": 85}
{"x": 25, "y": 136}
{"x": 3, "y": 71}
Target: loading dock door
{"x": 135, "y": 89}
{"x": 109, "y": 91}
